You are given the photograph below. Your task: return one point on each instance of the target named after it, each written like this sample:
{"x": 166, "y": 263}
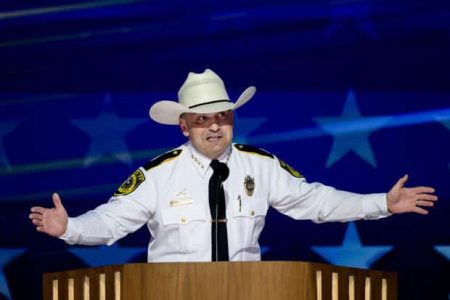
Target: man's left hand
{"x": 401, "y": 199}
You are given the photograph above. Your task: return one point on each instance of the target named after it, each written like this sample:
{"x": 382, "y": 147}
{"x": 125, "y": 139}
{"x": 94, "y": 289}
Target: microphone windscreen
{"x": 223, "y": 171}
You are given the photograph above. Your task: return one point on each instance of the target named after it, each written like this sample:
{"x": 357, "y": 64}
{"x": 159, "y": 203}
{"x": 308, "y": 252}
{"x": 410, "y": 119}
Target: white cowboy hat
{"x": 200, "y": 93}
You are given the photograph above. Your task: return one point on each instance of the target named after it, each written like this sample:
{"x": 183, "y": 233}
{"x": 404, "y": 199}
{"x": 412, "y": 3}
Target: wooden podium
{"x": 221, "y": 280}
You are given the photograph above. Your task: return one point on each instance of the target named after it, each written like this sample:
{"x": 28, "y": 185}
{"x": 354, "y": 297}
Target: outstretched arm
{"x": 52, "y": 221}
{"x": 401, "y": 199}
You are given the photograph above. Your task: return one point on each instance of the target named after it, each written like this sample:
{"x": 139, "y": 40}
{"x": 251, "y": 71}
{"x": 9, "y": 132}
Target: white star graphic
{"x": 107, "y": 133}
{"x": 351, "y": 132}
{"x": 5, "y": 128}
{"x": 96, "y": 256}
{"x": 351, "y": 253}
{"x": 7, "y": 255}
{"x": 245, "y": 126}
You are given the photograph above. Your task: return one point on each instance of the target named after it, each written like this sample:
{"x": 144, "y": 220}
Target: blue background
{"x": 352, "y": 93}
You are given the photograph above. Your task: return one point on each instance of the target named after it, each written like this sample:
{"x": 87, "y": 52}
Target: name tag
{"x": 177, "y": 202}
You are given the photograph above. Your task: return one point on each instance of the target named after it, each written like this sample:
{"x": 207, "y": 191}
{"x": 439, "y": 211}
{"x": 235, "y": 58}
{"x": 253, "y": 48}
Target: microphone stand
{"x": 216, "y": 221}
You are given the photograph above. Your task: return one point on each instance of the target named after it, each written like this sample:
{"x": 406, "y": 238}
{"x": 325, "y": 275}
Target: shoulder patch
{"x": 131, "y": 184}
{"x": 290, "y": 169}
{"x": 253, "y": 149}
{"x": 162, "y": 159}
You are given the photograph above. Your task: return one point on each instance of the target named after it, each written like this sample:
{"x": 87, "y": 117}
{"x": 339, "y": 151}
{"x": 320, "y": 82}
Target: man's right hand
{"x": 52, "y": 221}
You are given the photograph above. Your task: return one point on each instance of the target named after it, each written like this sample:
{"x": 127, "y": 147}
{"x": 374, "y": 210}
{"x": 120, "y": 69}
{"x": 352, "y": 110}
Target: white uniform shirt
{"x": 171, "y": 197}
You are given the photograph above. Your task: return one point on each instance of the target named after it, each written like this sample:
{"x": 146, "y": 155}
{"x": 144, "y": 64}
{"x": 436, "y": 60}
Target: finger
{"x": 420, "y": 211}
{"x": 427, "y": 197}
{"x": 38, "y": 209}
{"x": 401, "y": 182}
{"x": 57, "y": 200}
{"x": 422, "y": 189}
{"x": 37, "y": 222}
{"x": 424, "y": 203}
{"x": 35, "y": 216}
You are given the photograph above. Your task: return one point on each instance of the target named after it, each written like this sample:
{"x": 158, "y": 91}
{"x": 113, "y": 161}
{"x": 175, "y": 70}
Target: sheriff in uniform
{"x": 176, "y": 197}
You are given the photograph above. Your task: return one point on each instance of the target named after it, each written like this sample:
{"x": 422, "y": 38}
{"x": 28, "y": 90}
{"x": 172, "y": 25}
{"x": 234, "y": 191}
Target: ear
{"x": 183, "y": 126}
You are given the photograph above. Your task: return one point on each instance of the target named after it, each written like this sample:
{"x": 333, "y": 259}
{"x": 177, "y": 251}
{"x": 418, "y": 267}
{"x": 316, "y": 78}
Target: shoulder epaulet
{"x": 162, "y": 159}
{"x": 290, "y": 169}
{"x": 253, "y": 149}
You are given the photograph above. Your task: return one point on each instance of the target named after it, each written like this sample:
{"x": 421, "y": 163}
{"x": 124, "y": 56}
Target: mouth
{"x": 213, "y": 138}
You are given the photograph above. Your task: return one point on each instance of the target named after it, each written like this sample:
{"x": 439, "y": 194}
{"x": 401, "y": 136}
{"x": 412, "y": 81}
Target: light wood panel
{"x": 220, "y": 280}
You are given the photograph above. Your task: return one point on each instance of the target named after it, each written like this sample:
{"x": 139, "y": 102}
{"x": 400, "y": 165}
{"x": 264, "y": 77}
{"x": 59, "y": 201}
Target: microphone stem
{"x": 217, "y": 219}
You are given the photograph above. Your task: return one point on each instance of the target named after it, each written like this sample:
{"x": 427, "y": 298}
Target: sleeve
{"x": 292, "y": 195}
{"x": 125, "y": 212}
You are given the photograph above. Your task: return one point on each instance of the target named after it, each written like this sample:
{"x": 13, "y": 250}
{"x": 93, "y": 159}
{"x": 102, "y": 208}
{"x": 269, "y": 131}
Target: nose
{"x": 215, "y": 122}
{"x": 215, "y": 126}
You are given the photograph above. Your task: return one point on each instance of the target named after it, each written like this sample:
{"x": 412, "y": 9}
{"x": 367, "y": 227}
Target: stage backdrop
{"x": 353, "y": 94}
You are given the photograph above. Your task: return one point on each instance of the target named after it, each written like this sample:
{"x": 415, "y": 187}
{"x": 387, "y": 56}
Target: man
{"x": 207, "y": 200}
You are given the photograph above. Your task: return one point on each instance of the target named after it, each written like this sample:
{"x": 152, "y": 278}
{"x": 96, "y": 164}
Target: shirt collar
{"x": 201, "y": 162}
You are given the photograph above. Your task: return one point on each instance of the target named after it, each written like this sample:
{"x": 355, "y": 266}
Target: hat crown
{"x": 201, "y": 88}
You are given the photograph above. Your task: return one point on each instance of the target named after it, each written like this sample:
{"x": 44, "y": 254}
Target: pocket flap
{"x": 248, "y": 208}
{"x": 183, "y": 214}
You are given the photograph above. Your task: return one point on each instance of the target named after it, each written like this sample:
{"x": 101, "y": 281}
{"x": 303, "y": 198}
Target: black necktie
{"x": 219, "y": 240}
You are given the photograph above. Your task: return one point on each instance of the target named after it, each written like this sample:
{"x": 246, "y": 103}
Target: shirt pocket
{"x": 186, "y": 227}
{"x": 248, "y": 220}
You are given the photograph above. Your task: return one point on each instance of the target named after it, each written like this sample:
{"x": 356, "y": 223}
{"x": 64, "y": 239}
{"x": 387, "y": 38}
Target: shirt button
{"x": 252, "y": 213}
{"x": 183, "y": 220}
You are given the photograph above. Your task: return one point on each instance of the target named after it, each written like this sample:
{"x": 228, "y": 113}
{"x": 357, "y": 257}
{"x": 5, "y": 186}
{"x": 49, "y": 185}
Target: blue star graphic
{"x": 107, "y": 133}
{"x": 265, "y": 249}
{"x": 356, "y": 13}
{"x": 96, "y": 256}
{"x": 5, "y": 128}
{"x": 7, "y": 255}
{"x": 351, "y": 253}
{"x": 444, "y": 250}
{"x": 446, "y": 122}
{"x": 245, "y": 126}
{"x": 351, "y": 132}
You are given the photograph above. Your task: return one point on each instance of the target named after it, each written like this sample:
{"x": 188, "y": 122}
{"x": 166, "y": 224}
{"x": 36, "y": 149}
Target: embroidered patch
{"x": 249, "y": 185}
{"x": 291, "y": 170}
{"x": 131, "y": 184}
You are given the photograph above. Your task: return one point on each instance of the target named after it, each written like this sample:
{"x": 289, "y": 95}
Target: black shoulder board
{"x": 253, "y": 149}
{"x": 162, "y": 158}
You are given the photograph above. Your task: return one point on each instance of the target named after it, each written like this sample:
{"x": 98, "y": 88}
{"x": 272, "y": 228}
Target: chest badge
{"x": 249, "y": 185}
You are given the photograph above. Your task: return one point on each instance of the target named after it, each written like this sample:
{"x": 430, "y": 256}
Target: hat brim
{"x": 168, "y": 112}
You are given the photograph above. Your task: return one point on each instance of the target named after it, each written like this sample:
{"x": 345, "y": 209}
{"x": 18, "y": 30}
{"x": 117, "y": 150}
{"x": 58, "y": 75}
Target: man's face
{"x": 209, "y": 133}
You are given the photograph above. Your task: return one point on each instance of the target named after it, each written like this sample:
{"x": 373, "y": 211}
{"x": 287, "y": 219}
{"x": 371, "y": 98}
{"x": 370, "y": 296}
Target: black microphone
{"x": 222, "y": 171}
